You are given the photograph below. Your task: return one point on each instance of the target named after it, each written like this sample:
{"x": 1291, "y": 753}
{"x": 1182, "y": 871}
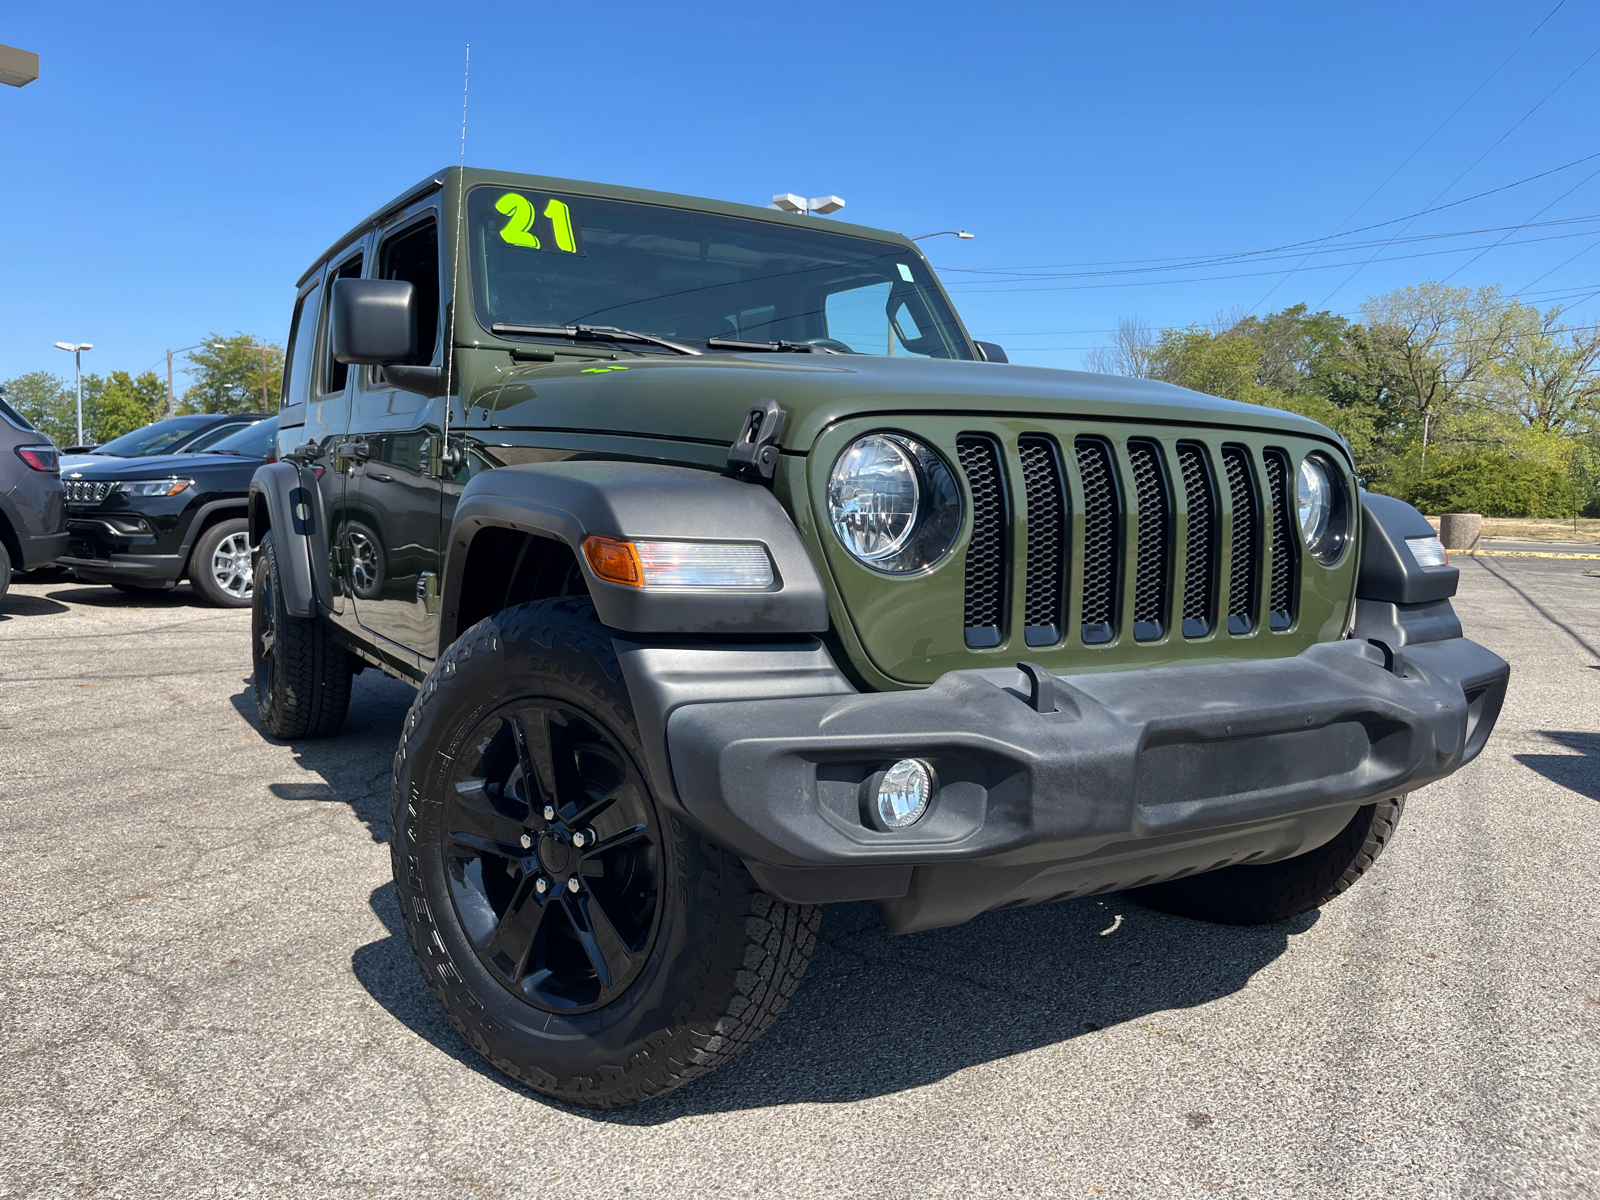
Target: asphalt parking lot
{"x": 204, "y": 989}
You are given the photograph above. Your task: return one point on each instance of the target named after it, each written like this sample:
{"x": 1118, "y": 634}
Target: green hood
{"x": 702, "y": 399}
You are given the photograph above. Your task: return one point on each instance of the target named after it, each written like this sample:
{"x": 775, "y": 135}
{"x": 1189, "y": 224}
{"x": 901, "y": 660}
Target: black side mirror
{"x": 374, "y": 321}
{"x": 991, "y": 352}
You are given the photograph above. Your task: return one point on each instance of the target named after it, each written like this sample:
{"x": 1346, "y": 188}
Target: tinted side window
{"x": 412, "y": 255}
{"x": 302, "y": 338}
{"x": 335, "y": 374}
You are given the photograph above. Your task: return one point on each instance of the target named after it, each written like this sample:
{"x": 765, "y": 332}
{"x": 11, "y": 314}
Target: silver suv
{"x": 32, "y": 526}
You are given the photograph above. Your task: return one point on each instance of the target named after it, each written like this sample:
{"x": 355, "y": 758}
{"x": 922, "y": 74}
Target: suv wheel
{"x": 302, "y": 676}
{"x": 580, "y": 936}
{"x": 220, "y": 568}
{"x": 5, "y": 570}
{"x": 1281, "y": 891}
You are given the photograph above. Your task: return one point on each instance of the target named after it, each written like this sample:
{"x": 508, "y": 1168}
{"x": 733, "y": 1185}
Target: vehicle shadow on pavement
{"x": 353, "y": 768}
{"x": 97, "y": 595}
{"x": 15, "y": 604}
{"x": 1578, "y": 772}
{"x": 878, "y": 1014}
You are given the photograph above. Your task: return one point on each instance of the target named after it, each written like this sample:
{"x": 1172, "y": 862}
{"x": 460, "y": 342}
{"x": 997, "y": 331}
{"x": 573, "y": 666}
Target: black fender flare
{"x": 569, "y": 501}
{"x": 280, "y": 501}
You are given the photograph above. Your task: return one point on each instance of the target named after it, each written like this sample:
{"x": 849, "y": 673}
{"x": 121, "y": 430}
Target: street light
{"x": 789, "y": 202}
{"x": 77, "y": 349}
{"x": 960, "y": 233}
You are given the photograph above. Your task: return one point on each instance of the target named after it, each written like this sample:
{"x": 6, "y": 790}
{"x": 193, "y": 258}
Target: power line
{"x": 1017, "y": 273}
{"x": 1479, "y": 159}
{"x": 1079, "y": 287}
{"x": 1540, "y": 213}
{"x": 1424, "y": 143}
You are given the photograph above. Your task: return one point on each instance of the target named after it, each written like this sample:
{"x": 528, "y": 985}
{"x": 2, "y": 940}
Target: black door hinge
{"x": 753, "y": 456}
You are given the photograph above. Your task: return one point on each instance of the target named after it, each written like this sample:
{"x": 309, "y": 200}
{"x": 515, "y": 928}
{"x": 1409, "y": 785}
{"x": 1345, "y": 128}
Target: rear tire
{"x": 5, "y": 570}
{"x": 220, "y": 566}
{"x": 1280, "y": 891}
{"x": 648, "y": 956}
{"x": 301, "y": 675}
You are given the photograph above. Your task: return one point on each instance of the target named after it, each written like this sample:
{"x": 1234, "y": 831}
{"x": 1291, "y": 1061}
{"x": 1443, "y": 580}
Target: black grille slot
{"x": 1152, "y": 574}
{"x": 1280, "y": 594}
{"x": 1043, "y": 615}
{"x": 1246, "y": 542}
{"x": 984, "y": 613}
{"x": 1102, "y": 541}
{"x": 1200, "y": 541}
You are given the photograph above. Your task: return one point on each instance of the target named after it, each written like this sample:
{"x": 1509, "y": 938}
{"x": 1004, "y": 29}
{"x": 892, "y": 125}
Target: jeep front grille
{"x": 1183, "y": 515}
{"x": 986, "y": 553}
{"x": 85, "y": 491}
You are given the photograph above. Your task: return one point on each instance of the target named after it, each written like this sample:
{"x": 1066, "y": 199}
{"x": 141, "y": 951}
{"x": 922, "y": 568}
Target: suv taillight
{"x": 40, "y": 458}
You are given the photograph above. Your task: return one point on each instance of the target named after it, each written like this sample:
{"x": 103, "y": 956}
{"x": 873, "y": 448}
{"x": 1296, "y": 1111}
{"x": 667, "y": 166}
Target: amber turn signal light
{"x": 613, "y": 561}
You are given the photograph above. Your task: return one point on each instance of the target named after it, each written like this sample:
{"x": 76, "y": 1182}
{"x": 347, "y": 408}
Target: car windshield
{"x": 541, "y": 259}
{"x": 253, "y": 441}
{"x": 160, "y": 438}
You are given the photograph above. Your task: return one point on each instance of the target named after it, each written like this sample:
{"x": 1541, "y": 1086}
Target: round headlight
{"x": 893, "y": 503}
{"x": 1322, "y": 509}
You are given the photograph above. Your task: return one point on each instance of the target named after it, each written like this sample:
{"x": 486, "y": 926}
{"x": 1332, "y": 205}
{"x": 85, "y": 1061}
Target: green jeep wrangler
{"x": 737, "y": 579}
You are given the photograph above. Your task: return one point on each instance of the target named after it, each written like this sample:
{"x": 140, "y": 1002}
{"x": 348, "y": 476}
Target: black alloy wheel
{"x": 554, "y": 856}
{"x": 581, "y": 936}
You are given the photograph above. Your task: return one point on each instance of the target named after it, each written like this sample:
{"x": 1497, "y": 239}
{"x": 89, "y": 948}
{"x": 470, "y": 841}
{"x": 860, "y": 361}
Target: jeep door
{"x": 315, "y": 412}
{"x": 394, "y": 509}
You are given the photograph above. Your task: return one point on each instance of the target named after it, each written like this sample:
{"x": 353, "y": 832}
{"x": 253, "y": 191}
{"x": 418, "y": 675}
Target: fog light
{"x": 904, "y": 793}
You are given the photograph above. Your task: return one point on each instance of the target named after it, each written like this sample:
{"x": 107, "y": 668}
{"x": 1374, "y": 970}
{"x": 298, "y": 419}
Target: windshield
{"x": 542, "y": 259}
{"x": 159, "y": 438}
{"x": 253, "y": 441}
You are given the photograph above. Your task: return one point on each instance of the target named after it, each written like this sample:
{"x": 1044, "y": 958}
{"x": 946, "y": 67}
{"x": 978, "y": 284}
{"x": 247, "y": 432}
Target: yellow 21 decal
{"x": 522, "y": 217}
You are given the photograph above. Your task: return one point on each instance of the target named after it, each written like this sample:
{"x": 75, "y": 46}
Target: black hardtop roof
{"x": 474, "y": 176}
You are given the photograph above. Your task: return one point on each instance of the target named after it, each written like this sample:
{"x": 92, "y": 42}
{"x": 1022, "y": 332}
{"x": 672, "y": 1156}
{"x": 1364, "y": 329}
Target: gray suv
{"x": 32, "y": 526}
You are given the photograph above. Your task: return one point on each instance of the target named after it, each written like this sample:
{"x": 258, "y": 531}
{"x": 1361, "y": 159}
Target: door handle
{"x": 347, "y": 454}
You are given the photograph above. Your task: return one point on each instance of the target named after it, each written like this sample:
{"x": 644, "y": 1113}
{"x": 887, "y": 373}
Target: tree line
{"x": 1457, "y": 400}
{"x": 225, "y": 373}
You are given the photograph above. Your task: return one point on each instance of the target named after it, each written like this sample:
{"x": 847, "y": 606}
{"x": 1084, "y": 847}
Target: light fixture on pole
{"x": 77, "y": 349}
{"x": 960, "y": 233}
{"x": 789, "y": 202}
{"x": 172, "y": 401}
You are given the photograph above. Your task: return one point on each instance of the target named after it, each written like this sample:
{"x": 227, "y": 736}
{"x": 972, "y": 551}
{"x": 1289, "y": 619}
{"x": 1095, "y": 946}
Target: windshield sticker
{"x": 553, "y": 230}
{"x": 905, "y": 272}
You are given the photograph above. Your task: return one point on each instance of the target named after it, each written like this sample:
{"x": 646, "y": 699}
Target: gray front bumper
{"x": 1141, "y": 775}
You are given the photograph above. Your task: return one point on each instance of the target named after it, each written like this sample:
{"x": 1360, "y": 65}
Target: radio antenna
{"x": 455, "y": 265}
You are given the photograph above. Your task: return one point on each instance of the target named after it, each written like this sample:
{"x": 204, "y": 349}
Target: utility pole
{"x": 266, "y": 404}
{"x": 172, "y": 403}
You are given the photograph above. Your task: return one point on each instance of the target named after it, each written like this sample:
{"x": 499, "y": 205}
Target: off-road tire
{"x": 302, "y": 686}
{"x": 1280, "y": 891}
{"x": 725, "y": 959}
{"x": 201, "y": 577}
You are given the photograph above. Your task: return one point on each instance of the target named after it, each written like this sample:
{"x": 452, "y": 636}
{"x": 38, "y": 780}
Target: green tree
{"x": 227, "y": 375}
{"x": 1549, "y": 375}
{"x": 125, "y": 403}
{"x": 48, "y": 402}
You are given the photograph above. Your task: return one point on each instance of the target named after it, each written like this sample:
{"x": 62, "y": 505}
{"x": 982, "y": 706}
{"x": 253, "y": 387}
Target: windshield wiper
{"x": 591, "y": 333}
{"x": 771, "y": 347}
{"x": 236, "y": 453}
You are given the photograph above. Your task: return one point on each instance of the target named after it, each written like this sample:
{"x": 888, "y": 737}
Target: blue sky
{"x": 176, "y": 166}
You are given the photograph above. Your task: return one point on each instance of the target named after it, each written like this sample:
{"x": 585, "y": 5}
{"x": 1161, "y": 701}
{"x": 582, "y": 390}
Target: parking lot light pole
{"x": 77, "y": 349}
